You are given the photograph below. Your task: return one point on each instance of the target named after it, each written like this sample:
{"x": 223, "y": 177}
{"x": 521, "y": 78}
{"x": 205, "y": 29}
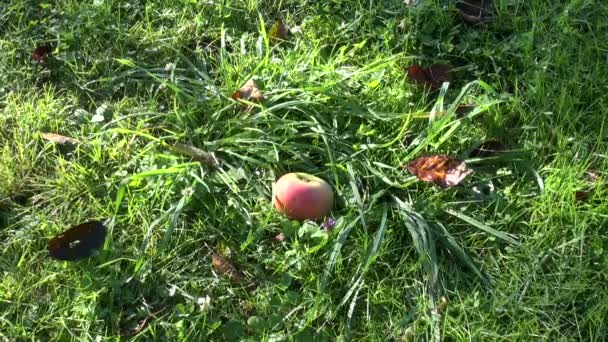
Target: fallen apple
{"x": 301, "y": 196}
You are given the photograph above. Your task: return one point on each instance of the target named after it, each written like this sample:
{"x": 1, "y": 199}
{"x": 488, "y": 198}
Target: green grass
{"x": 520, "y": 261}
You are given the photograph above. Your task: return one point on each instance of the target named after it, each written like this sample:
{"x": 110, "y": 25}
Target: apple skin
{"x": 301, "y": 196}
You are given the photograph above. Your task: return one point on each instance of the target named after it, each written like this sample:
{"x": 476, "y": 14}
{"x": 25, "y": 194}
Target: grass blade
{"x": 424, "y": 243}
{"x": 378, "y": 239}
{"x": 456, "y": 249}
{"x": 337, "y": 247}
{"x": 496, "y": 233}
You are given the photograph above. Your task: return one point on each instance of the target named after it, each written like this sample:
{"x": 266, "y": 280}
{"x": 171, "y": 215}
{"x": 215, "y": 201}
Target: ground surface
{"x": 513, "y": 251}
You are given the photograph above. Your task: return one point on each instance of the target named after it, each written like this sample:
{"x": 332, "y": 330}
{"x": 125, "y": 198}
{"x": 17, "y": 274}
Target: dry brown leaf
{"x": 592, "y": 176}
{"x": 442, "y": 170}
{"x": 433, "y": 76}
{"x": 41, "y": 53}
{"x": 78, "y": 242}
{"x": 581, "y": 195}
{"x": 224, "y": 267}
{"x": 59, "y": 139}
{"x": 250, "y": 92}
{"x": 196, "y": 154}
{"x": 464, "y": 110}
{"x": 279, "y": 31}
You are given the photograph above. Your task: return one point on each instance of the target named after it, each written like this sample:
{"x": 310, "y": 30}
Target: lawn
{"x": 195, "y": 250}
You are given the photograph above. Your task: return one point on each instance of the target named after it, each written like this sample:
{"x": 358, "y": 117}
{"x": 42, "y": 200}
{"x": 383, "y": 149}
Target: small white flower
{"x": 121, "y": 173}
{"x": 162, "y": 87}
{"x": 97, "y": 118}
{"x": 99, "y": 113}
{"x": 172, "y": 290}
{"x": 295, "y": 29}
{"x": 169, "y": 66}
{"x": 80, "y": 113}
{"x": 204, "y": 303}
{"x": 187, "y": 192}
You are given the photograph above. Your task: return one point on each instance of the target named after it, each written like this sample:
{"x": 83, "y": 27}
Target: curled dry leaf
{"x": 279, "y": 31}
{"x": 461, "y": 111}
{"x": 196, "y": 154}
{"x": 442, "y": 170}
{"x": 489, "y": 148}
{"x": 464, "y": 110}
{"x": 581, "y": 196}
{"x": 41, "y": 53}
{"x": 475, "y": 11}
{"x": 432, "y": 77}
{"x": 592, "y": 176}
{"x": 249, "y": 92}
{"x": 224, "y": 267}
{"x": 78, "y": 242}
{"x": 59, "y": 139}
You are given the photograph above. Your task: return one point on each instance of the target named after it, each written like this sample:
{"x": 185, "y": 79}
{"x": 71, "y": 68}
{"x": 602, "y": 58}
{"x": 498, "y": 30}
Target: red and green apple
{"x": 301, "y": 196}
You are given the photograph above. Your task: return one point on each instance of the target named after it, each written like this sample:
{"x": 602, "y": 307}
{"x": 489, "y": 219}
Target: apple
{"x": 301, "y": 196}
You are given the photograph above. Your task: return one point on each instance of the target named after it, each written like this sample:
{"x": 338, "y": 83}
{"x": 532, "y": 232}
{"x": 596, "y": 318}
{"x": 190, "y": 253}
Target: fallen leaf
{"x": 432, "y": 77}
{"x": 442, "y": 170}
{"x": 278, "y": 31}
{"x": 461, "y": 111}
{"x": 78, "y": 242}
{"x": 196, "y": 154}
{"x": 249, "y": 92}
{"x": 224, "y": 267}
{"x": 489, "y": 148}
{"x": 464, "y": 109}
{"x": 59, "y": 139}
{"x": 41, "y": 53}
{"x": 475, "y": 11}
{"x": 592, "y": 176}
{"x": 581, "y": 195}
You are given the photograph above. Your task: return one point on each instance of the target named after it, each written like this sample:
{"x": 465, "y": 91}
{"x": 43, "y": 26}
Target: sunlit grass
{"x": 512, "y": 251}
